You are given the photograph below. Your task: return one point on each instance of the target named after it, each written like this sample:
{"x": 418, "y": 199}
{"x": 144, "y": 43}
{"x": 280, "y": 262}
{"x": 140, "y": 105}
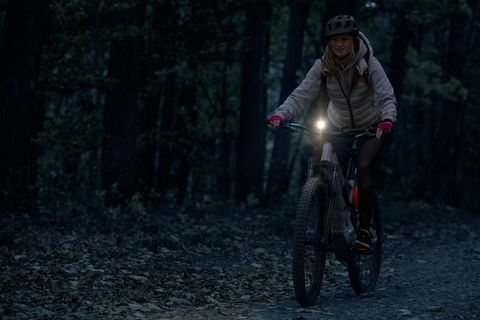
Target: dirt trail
{"x": 424, "y": 276}
{"x": 219, "y": 266}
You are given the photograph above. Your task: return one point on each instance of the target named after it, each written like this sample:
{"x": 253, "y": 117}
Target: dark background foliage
{"x": 123, "y": 103}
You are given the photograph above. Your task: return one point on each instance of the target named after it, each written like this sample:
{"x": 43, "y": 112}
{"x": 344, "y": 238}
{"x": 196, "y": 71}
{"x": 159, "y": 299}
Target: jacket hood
{"x": 364, "y": 50}
{"x": 364, "y": 40}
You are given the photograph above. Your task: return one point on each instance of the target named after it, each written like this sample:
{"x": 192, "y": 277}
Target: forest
{"x": 109, "y": 102}
{"x": 155, "y": 111}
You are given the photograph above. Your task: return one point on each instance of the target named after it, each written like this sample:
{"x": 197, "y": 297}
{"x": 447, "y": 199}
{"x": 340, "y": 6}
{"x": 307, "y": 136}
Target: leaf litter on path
{"x": 231, "y": 266}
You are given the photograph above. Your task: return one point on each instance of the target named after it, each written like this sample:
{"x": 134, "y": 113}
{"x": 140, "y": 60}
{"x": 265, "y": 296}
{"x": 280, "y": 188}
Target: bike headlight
{"x": 321, "y": 124}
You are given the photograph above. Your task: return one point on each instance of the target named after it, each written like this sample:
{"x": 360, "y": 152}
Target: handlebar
{"x": 354, "y": 133}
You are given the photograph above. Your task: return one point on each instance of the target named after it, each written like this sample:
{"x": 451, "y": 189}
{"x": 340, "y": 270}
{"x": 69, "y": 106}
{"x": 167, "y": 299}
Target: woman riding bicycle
{"x": 360, "y": 96}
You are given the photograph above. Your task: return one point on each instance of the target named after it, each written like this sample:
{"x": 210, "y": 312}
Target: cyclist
{"x": 360, "y": 96}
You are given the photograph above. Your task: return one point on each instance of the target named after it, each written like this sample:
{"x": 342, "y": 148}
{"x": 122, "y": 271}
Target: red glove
{"x": 275, "y": 120}
{"x": 386, "y": 125}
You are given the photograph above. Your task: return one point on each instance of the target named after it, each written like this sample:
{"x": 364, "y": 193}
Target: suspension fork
{"x": 331, "y": 194}
{"x": 313, "y": 168}
{"x": 338, "y": 220}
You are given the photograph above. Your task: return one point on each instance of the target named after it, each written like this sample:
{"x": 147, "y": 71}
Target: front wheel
{"x": 310, "y": 238}
{"x": 363, "y": 269}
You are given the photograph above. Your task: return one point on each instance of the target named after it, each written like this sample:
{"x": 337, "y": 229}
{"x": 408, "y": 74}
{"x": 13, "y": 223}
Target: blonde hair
{"x": 331, "y": 63}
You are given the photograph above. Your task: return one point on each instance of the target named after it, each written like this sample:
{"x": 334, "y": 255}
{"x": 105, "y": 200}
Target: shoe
{"x": 363, "y": 241}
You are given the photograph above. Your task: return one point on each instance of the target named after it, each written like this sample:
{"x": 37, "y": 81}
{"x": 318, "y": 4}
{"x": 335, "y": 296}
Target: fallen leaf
{"x": 260, "y": 250}
{"x": 135, "y": 306}
{"x": 260, "y": 298}
{"x": 179, "y": 300}
{"x": 405, "y": 312}
{"x": 245, "y": 297}
{"x": 436, "y": 309}
{"x": 138, "y": 278}
{"x": 152, "y": 307}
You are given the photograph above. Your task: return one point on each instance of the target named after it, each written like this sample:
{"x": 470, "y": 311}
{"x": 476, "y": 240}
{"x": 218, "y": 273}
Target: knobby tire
{"x": 308, "y": 269}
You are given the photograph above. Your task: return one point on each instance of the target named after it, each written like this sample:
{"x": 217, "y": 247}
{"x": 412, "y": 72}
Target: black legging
{"x": 369, "y": 149}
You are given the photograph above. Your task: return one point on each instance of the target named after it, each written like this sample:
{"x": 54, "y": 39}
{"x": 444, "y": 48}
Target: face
{"x": 341, "y": 45}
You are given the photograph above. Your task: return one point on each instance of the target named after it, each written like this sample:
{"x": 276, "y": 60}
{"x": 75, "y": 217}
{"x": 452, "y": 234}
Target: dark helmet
{"x": 342, "y": 24}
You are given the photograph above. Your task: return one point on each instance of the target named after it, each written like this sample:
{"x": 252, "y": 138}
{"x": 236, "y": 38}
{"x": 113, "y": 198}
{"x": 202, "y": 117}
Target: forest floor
{"x": 205, "y": 262}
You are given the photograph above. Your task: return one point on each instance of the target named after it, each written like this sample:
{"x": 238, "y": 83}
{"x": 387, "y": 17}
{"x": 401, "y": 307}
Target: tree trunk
{"x": 224, "y": 146}
{"x": 450, "y": 121}
{"x": 398, "y": 53}
{"x": 278, "y": 177}
{"x": 467, "y": 172}
{"x": 148, "y": 166}
{"x": 399, "y": 47}
{"x": 148, "y": 128}
{"x": 165, "y": 149}
{"x": 165, "y": 17}
{"x": 186, "y": 140}
{"x": 23, "y": 35}
{"x": 251, "y": 140}
{"x": 119, "y": 172}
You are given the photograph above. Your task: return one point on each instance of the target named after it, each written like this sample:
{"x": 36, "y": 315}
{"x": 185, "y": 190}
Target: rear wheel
{"x": 363, "y": 269}
{"x": 310, "y": 239}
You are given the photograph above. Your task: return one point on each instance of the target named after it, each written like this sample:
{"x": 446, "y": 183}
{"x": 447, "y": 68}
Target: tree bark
{"x": 278, "y": 177}
{"x": 401, "y": 38}
{"x": 224, "y": 146}
{"x": 148, "y": 117}
{"x": 163, "y": 16}
{"x": 451, "y": 122}
{"x": 251, "y": 139}
{"x": 23, "y": 35}
{"x": 119, "y": 171}
{"x": 185, "y": 140}
{"x": 165, "y": 149}
{"x": 401, "y": 41}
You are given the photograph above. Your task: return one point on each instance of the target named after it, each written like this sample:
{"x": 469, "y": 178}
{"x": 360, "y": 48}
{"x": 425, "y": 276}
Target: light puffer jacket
{"x": 372, "y": 99}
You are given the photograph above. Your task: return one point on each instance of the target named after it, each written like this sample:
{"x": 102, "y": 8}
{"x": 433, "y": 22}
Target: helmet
{"x": 342, "y": 24}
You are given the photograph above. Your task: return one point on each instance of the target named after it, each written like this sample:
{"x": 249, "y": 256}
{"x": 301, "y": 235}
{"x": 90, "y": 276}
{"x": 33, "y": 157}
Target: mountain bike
{"x": 327, "y": 218}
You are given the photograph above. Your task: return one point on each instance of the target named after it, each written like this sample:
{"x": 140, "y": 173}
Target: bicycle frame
{"x": 325, "y": 165}
{"x": 327, "y": 168}
{"x": 337, "y": 217}
{"x": 323, "y": 223}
